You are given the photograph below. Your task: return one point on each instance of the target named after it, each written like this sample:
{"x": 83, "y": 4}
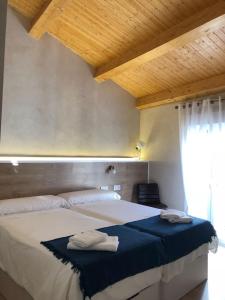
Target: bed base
{"x": 194, "y": 274}
{"x": 9, "y": 290}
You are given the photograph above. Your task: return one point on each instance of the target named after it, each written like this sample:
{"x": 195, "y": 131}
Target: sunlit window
{"x": 203, "y": 155}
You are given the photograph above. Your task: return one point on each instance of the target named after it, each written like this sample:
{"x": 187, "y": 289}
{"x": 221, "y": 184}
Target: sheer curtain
{"x": 202, "y": 142}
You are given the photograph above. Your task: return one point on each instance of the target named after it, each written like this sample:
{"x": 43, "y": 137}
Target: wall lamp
{"x": 139, "y": 146}
{"x": 111, "y": 170}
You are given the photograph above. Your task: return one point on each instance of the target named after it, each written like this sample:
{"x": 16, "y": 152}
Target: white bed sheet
{"x": 121, "y": 212}
{"x": 36, "y": 269}
{"x": 116, "y": 211}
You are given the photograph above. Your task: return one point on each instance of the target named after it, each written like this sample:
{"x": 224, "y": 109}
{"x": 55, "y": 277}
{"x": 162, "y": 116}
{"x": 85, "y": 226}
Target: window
{"x": 203, "y": 162}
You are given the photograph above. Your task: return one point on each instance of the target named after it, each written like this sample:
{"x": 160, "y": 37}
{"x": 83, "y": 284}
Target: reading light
{"x": 16, "y": 160}
{"x": 111, "y": 169}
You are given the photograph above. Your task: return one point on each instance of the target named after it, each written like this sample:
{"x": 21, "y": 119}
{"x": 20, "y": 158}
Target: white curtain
{"x": 202, "y": 141}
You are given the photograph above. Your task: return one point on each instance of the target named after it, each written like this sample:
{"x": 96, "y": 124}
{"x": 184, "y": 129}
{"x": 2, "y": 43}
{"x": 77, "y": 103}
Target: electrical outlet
{"x": 104, "y": 187}
{"x": 117, "y": 187}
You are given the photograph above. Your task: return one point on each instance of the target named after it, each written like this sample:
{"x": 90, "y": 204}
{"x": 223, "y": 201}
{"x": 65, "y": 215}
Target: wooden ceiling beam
{"x": 49, "y": 12}
{"x": 195, "y": 89}
{"x": 179, "y": 35}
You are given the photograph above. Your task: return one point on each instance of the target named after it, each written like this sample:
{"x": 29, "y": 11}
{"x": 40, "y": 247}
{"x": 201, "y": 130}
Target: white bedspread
{"x": 33, "y": 267}
{"x": 121, "y": 212}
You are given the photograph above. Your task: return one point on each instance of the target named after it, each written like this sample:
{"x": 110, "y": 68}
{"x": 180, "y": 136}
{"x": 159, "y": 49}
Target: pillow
{"x": 20, "y": 205}
{"x": 87, "y": 196}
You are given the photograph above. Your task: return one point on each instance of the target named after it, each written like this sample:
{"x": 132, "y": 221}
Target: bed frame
{"x": 194, "y": 274}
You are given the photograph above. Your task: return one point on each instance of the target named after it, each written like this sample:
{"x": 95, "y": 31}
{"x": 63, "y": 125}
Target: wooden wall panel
{"x": 53, "y": 178}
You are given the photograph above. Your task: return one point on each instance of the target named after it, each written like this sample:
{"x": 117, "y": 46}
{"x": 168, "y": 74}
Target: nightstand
{"x": 148, "y": 194}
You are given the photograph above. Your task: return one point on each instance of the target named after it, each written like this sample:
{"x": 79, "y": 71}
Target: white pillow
{"x": 78, "y": 197}
{"x": 19, "y": 205}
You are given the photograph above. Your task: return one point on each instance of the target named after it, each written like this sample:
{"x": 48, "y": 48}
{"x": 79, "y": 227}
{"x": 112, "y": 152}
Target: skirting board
{"x": 194, "y": 273}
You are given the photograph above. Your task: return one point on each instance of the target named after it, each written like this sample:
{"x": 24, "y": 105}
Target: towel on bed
{"x": 175, "y": 216}
{"x": 88, "y": 238}
{"x": 137, "y": 252}
{"x": 111, "y": 243}
{"x": 178, "y": 239}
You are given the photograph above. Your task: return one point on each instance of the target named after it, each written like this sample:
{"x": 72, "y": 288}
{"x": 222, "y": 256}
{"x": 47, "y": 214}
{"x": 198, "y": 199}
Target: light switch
{"x": 117, "y": 187}
{"x": 104, "y": 187}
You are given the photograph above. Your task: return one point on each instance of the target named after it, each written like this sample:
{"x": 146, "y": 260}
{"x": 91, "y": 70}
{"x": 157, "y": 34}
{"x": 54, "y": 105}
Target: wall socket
{"x": 117, "y": 187}
{"x": 104, "y": 187}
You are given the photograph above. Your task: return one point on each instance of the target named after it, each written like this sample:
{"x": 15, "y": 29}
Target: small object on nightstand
{"x": 148, "y": 194}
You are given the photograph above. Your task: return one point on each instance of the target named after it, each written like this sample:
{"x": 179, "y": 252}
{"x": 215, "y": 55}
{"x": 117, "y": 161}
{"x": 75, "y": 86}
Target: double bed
{"x": 30, "y": 271}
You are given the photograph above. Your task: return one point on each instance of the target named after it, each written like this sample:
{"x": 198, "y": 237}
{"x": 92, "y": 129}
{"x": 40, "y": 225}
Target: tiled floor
{"x": 214, "y": 288}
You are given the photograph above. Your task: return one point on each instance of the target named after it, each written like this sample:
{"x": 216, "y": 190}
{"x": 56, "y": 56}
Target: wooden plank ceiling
{"x": 159, "y": 51}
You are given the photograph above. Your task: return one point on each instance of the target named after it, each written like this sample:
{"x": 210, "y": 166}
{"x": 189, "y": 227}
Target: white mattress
{"x": 35, "y": 268}
{"x": 121, "y": 212}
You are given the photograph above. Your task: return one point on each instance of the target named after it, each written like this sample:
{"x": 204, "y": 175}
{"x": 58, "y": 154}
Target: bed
{"x": 186, "y": 272}
{"x": 29, "y": 271}
{"x": 26, "y": 263}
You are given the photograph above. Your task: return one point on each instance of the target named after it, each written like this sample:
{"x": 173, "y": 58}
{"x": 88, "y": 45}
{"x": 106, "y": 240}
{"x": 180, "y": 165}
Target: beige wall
{"x": 159, "y": 129}
{"x": 52, "y": 105}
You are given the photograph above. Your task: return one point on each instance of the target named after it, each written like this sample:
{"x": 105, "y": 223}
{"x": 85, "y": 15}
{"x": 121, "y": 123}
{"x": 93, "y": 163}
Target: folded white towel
{"x": 88, "y": 238}
{"x": 175, "y": 216}
{"x": 171, "y": 213}
{"x": 111, "y": 243}
{"x": 185, "y": 219}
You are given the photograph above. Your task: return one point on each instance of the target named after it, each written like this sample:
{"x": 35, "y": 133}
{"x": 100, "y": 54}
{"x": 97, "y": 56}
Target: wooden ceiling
{"x": 159, "y": 51}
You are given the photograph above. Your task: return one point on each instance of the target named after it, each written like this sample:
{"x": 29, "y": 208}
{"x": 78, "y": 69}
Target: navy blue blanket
{"x": 178, "y": 239}
{"x": 137, "y": 252}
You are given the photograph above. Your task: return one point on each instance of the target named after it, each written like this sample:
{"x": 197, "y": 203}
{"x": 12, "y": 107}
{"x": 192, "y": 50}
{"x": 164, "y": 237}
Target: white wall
{"x": 3, "y": 9}
{"x": 159, "y": 129}
{"x": 53, "y": 106}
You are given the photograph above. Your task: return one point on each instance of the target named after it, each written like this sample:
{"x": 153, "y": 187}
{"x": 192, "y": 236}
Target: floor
{"x": 214, "y": 288}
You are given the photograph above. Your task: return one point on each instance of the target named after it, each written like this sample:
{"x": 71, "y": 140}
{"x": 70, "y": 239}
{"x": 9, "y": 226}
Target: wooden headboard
{"x": 31, "y": 179}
